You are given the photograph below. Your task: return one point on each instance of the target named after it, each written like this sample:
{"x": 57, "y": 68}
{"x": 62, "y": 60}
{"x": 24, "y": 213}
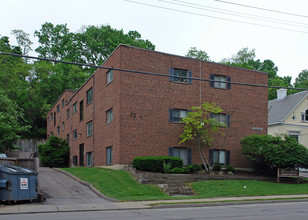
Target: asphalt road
{"x": 59, "y": 188}
{"x": 272, "y": 211}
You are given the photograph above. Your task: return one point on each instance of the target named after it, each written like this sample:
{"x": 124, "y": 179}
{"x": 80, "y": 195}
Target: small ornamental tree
{"x": 203, "y": 129}
{"x": 272, "y": 152}
{"x": 54, "y": 153}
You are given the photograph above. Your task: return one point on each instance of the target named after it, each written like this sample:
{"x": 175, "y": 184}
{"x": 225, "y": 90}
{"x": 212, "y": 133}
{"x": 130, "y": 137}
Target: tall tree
{"x": 23, "y": 41}
{"x": 198, "y": 54}
{"x": 93, "y": 44}
{"x": 245, "y": 58}
{"x": 11, "y": 122}
{"x": 302, "y": 80}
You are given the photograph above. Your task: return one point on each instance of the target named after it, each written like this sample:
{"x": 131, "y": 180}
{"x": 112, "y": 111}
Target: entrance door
{"x": 81, "y": 155}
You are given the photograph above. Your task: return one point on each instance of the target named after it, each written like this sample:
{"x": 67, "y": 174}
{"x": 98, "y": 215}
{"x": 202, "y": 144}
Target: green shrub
{"x": 178, "y": 170}
{"x": 167, "y": 167}
{"x": 156, "y": 164}
{"x": 217, "y": 167}
{"x": 54, "y": 153}
{"x": 193, "y": 168}
{"x": 230, "y": 168}
{"x": 272, "y": 152}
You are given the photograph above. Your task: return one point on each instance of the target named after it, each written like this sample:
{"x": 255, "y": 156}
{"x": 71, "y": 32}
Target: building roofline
{"x": 65, "y": 90}
{"x": 295, "y": 106}
{"x": 175, "y": 55}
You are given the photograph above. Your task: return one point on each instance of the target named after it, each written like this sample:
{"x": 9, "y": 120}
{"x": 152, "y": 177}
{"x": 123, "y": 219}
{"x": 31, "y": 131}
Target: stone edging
{"x": 86, "y": 184}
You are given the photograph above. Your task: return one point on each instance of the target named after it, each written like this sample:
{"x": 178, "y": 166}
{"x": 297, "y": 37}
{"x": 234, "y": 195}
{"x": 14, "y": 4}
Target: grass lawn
{"x": 117, "y": 184}
{"x": 120, "y": 185}
{"x": 224, "y": 188}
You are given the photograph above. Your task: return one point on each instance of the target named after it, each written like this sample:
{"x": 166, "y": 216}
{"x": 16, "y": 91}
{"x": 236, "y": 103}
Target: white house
{"x": 288, "y": 114}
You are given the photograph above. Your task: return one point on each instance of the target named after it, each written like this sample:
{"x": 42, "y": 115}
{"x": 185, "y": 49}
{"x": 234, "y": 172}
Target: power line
{"x": 215, "y": 17}
{"x": 300, "y": 24}
{"x": 140, "y": 72}
{"x": 263, "y": 9}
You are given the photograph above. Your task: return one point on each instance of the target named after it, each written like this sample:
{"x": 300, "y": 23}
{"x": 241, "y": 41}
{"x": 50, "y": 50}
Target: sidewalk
{"x": 43, "y": 208}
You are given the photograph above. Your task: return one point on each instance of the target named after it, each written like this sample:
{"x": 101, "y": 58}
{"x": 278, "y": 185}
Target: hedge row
{"x": 156, "y": 164}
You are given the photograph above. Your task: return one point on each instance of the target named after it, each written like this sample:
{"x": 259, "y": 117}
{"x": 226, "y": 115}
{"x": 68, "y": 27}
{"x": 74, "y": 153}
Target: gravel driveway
{"x": 59, "y": 188}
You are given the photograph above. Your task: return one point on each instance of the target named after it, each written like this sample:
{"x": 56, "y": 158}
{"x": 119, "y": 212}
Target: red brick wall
{"x": 141, "y": 102}
{"x": 145, "y": 100}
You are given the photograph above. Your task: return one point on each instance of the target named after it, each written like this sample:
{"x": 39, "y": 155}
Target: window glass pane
{"x": 215, "y": 156}
{"x": 89, "y": 96}
{"x": 109, "y": 76}
{"x": 89, "y": 159}
{"x": 176, "y": 152}
{"x": 109, "y": 155}
{"x": 183, "y": 114}
{"x": 109, "y": 114}
{"x": 222, "y": 158}
{"x": 176, "y": 116}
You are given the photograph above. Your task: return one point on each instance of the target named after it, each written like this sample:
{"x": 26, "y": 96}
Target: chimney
{"x": 281, "y": 93}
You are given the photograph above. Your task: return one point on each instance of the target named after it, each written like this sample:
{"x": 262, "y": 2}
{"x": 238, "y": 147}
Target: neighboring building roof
{"x": 279, "y": 109}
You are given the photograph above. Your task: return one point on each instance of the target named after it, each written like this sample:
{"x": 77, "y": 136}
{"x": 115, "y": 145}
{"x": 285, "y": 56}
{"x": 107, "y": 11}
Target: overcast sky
{"x": 175, "y": 26}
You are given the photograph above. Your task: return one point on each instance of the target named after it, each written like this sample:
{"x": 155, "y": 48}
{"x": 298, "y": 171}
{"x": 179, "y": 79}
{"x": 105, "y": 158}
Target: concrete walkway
{"x": 43, "y": 208}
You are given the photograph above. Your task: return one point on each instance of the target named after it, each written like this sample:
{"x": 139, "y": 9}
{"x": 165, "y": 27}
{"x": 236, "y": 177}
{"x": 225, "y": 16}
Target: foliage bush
{"x": 156, "y": 163}
{"x": 178, "y": 170}
{"x": 272, "y": 152}
{"x": 217, "y": 167}
{"x": 230, "y": 168}
{"x": 54, "y": 153}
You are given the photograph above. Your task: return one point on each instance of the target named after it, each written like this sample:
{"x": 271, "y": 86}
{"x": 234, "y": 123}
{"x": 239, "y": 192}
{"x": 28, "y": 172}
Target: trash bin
{"x": 17, "y": 183}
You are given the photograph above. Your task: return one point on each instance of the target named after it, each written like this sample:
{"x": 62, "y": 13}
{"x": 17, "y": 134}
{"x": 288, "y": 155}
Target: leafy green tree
{"x": 54, "y": 153}
{"x": 245, "y": 58}
{"x": 23, "y": 41}
{"x": 241, "y": 57}
{"x": 302, "y": 80}
{"x": 198, "y": 54}
{"x": 200, "y": 127}
{"x": 11, "y": 122}
{"x": 272, "y": 152}
{"x": 93, "y": 44}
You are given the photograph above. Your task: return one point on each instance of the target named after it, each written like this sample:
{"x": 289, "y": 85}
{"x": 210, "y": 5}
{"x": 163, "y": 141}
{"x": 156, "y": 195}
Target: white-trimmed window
{"x": 89, "y": 128}
{"x": 305, "y": 115}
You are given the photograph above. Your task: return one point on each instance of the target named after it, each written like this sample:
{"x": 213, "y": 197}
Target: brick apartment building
{"x": 116, "y": 116}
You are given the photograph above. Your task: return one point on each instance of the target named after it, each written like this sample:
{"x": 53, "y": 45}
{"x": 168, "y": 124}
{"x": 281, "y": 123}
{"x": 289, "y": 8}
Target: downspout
{"x": 93, "y": 121}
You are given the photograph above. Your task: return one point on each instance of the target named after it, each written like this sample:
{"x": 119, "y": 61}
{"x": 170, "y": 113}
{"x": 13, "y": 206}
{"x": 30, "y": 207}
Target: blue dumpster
{"x": 17, "y": 183}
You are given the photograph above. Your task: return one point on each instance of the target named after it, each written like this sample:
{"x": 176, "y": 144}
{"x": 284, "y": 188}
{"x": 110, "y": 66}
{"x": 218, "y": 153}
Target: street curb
{"x": 86, "y": 184}
{"x": 230, "y": 203}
